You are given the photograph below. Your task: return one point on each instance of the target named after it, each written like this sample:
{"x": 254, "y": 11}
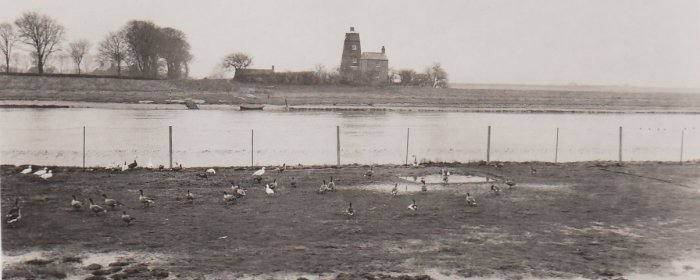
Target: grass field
{"x": 226, "y": 92}
{"x": 585, "y": 220}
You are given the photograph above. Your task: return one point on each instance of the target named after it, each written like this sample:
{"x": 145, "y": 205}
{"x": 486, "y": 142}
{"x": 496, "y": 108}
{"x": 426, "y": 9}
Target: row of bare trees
{"x": 145, "y": 49}
{"x": 433, "y": 76}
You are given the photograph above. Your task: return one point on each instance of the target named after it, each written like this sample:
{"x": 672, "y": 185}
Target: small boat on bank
{"x": 251, "y": 107}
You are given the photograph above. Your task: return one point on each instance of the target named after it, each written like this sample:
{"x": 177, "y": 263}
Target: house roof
{"x": 373, "y": 56}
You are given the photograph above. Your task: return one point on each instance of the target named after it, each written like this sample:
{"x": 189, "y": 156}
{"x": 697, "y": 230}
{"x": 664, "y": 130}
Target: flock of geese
{"x": 14, "y": 214}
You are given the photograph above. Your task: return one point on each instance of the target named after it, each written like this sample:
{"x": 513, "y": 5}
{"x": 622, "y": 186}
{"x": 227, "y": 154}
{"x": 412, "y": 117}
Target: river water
{"x": 223, "y": 137}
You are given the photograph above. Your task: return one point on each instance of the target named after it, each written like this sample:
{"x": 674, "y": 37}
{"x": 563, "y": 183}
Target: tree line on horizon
{"x": 139, "y": 49}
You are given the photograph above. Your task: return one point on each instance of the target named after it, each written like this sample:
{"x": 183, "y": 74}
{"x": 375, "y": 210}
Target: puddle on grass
{"x": 452, "y": 179}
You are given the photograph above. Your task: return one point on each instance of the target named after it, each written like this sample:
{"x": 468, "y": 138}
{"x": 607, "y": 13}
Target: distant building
{"x": 255, "y": 75}
{"x": 356, "y": 66}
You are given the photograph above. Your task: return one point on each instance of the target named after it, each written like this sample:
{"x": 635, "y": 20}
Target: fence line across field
{"x": 408, "y": 137}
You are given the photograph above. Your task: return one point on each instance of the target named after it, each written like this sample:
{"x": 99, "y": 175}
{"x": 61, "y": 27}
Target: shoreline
{"x": 45, "y": 104}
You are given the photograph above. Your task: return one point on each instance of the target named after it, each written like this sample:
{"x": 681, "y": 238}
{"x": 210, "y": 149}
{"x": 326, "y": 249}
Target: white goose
{"x": 350, "y": 211}
{"x": 147, "y": 201}
{"x": 413, "y": 206}
{"x": 323, "y": 188}
{"x": 260, "y": 172}
{"x": 96, "y": 208}
{"x": 41, "y": 171}
{"x": 211, "y": 171}
{"x": 331, "y": 185}
{"x": 27, "y": 170}
{"x": 268, "y": 190}
{"x": 228, "y": 197}
{"x": 75, "y": 203}
{"x": 47, "y": 176}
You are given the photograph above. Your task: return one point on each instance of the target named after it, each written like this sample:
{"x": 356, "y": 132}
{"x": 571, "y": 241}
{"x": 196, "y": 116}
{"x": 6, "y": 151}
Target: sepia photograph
{"x": 343, "y": 140}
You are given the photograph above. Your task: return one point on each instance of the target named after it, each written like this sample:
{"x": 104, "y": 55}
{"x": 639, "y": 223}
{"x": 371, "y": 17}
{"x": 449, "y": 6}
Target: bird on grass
{"x": 422, "y": 180}
{"x": 27, "y": 170}
{"x": 413, "y": 206}
{"x": 496, "y": 190}
{"x": 349, "y": 211}
{"x": 124, "y": 167}
{"x": 331, "y": 185}
{"x": 240, "y": 192}
{"x": 533, "y": 171}
{"x": 211, "y": 171}
{"x": 228, "y": 197}
{"x": 146, "y": 201}
{"x": 268, "y": 190}
{"x": 111, "y": 202}
{"x": 41, "y": 171}
{"x": 369, "y": 172}
{"x": 96, "y": 208}
{"x": 470, "y": 200}
{"x": 395, "y": 190}
{"x": 323, "y": 188}
{"x": 274, "y": 184}
{"x": 445, "y": 179}
{"x": 423, "y": 187}
{"x": 178, "y": 167}
{"x": 14, "y": 215}
{"x": 282, "y": 168}
{"x": 76, "y": 204}
{"x": 127, "y": 218}
{"x": 510, "y": 183}
{"x": 293, "y": 184}
{"x": 189, "y": 197}
{"x": 133, "y": 165}
{"x": 259, "y": 172}
{"x": 47, "y": 176}
{"x": 415, "y": 161}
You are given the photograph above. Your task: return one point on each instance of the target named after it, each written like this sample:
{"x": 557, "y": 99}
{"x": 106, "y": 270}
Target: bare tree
{"x": 8, "y": 38}
{"x": 114, "y": 48}
{"x": 407, "y": 76}
{"x": 41, "y": 32}
{"x": 77, "y": 50}
{"x": 437, "y": 75}
{"x": 175, "y": 49}
{"x": 237, "y": 61}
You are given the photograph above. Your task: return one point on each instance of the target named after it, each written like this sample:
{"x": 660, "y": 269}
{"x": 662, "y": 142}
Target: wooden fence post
{"x": 682, "y": 138}
{"x": 408, "y": 136}
{"x": 620, "y": 150}
{"x": 252, "y": 149}
{"x": 83, "y": 147}
{"x": 556, "y": 147}
{"x": 488, "y": 145}
{"x": 337, "y": 147}
{"x": 170, "y": 145}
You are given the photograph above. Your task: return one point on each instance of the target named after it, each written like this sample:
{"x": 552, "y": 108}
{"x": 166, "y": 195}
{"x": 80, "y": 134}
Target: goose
{"x": 27, "y": 170}
{"x": 161, "y": 167}
{"x": 282, "y": 168}
{"x": 127, "y": 218}
{"x": 178, "y": 167}
{"x": 41, "y": 171}
{"x": 111, "y": 202}
{"x": 75, "y": 203}
{"x": 189, "y": 197}
{"x": 423, "y": 187}
{"x": 350, "y": 211}
{"x": 235, "y": 186}
{"x": 240, "y": 192}
{"x": 211, "y": 171}
{"x": 496, "y": 189}
{"x": 293, "y": 184}
{"x": 268, "y": 190}
{"x": 369, "y": 172}
{"x": 96, "y": 208}
{"x": 510, "y": 183}
{"x": 124, "y": 167}
{"x": 395, "y": 190}
{"x": 228, "y": 197}
{"x": 274, "y": 184}
{"x": 533, "y": 171}
{"x": 422, "y": 180}
{"x": 150, "y": 164}
{"x": 47, "y": 176}
{"x": 442, "y": 172}
{"x": 415, "y": 161}
{"x": 445, "y": 179}
{"x": 323, "y": 188}
{"x": 147, "y": 201}
{"x": 413, "y": 206}
{"x": 331, "y": 185}
{"x": 260, "y": 172}
{"x": 133, "y": 165}
{"x": 448, "y": 173}
{"x": 470, "y": 200}
{"x": 15, "y": 214}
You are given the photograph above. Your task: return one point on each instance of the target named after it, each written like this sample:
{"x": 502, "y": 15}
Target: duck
{"x": 293, "y": 184}
{"x": 268, "y": 190}
{"x": 260, "y": 172}
{"x": 510, "y": 183}
{"x": 96, "y": 208}
{"x": 127, "y": 218}
{"x": 282, "y": 168}
{"x": 323, "y": 188}
{"x": 350, "y": 211}
{"x": 228, "y": 197}
{"x": 395, "y": 190}
{"x": 27, "y": 170}
{"x": 47, "y": 176}
{"x": 234, "y": 186}
{"x": 470, "y": 200}
{"x": 133, "y": 165}
{"x": 211, "y": 171}
{"x": 331, "y": 185}
{"x": 240, "y": 192}
{"x": 147, "y": 201}
{"x": 41, "y": 171}
{"x": 496, "y": 190}
{"x": 14, "y": 215}
{"x": 75, "y": 203}
{"x": 178, "y": 167}
{"x": 369, "y": 172}
{"x": 413, "y": 206}
{"x": 124, "y": 167}
{"x": 111, "y": 202}
{"x": 189, "y": 197}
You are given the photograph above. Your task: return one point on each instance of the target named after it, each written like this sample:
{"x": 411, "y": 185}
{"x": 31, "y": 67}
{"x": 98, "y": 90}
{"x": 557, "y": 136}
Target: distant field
{"x": 597, "y": 221}
{"x": 226, "y": 92}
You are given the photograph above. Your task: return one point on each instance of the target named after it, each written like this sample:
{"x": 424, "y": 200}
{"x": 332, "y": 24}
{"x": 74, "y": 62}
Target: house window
{"x": 354, "y": 61}
{"x": 354, "y": 47}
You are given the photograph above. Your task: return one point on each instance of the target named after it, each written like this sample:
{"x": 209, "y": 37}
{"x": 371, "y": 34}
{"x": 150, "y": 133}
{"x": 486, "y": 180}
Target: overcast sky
{"x": 601, "y": 42}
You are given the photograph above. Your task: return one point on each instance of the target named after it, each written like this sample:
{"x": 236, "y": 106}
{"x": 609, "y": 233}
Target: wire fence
{"x": 193, "y": 146}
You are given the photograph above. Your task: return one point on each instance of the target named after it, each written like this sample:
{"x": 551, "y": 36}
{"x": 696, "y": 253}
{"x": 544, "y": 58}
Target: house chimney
{"x": 273, "y": 68}
{"x": 352, "y": 29}
{"x": 383, "y": 49}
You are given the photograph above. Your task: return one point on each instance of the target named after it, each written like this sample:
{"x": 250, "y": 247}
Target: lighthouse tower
{"x": 350, "y": 62}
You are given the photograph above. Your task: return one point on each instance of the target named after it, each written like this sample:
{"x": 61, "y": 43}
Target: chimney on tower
{"x": 352, "y": 29}
{"x": 273, "y": 68}
{"x": 383, "y": 49}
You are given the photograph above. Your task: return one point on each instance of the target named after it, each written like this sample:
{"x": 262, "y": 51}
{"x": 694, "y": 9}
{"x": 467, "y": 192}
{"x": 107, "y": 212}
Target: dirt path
{"x": 567, "y": 220}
